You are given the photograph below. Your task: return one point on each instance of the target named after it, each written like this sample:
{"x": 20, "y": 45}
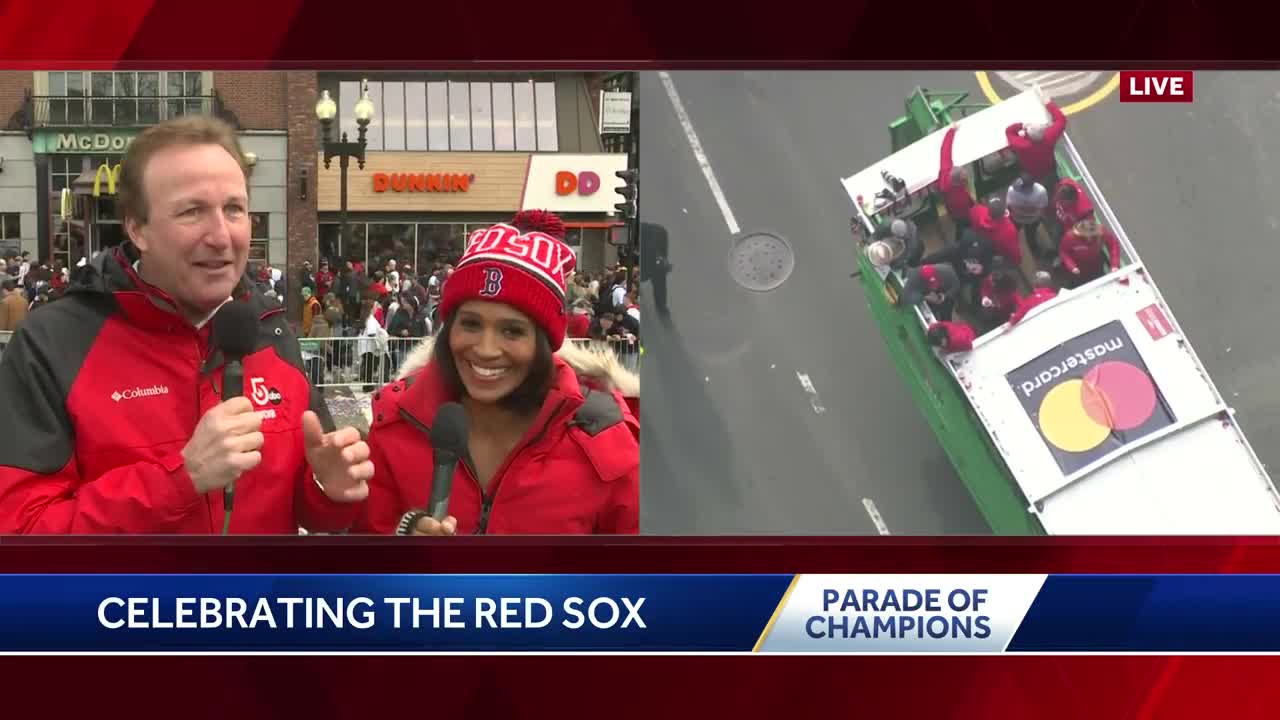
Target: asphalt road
{"x": 733, "y": 442}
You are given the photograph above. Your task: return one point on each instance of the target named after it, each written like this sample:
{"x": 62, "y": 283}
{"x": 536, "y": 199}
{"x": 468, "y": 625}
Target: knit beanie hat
{"x": 525, "y": 270}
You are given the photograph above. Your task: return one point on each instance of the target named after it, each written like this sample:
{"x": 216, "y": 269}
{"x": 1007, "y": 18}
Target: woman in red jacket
{"x": 546, "y": 452}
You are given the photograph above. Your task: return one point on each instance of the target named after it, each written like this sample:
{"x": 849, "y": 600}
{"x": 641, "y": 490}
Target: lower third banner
{"x": 640, "y": 613}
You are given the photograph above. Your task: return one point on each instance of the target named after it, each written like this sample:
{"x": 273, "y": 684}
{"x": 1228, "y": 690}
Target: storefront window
{"x": 545, "y": 104}
{"x": 121, "y": 98}
{"x": 526, "y": 133}
{"x": 504, "y": 127}
{"x": 10, "y": 233}
{"x": 331, "y": 245}
{"x": 438, "y": 242}
{"x": 458, "y": 115}
{"x": 390, "y": 241}
{"x": 260, "y": 237}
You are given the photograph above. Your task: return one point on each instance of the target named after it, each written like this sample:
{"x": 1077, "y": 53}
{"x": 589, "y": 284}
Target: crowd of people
{"x": 378, "y": 304}
{"x": 976, "y": 282}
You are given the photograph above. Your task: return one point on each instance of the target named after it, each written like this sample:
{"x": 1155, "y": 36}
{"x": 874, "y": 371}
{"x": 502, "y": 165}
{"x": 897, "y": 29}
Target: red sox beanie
{"x": 522, "y": 265}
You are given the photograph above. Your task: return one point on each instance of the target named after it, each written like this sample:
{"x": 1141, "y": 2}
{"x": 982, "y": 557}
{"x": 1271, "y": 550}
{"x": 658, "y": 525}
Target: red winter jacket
{"x": 1037, "y": 157}
{"x": 577, "y": 472}
{"x": 1080, "y": 252}
{"x": 324, "y": 281}
{"x": 960, "y": 336}
{"x": 104, "y": 387}
{"x": 1002, "y": 233}
{"x": 955, "y": 197}
{"x": 1070, "y": 214}
{"x": 1037, "y": 297}
{"x": 1003, "y": 304}
{"x": 579, "y": 326}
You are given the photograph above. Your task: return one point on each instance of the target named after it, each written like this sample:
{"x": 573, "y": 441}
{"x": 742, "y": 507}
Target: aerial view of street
{"x": 770, "y": 403}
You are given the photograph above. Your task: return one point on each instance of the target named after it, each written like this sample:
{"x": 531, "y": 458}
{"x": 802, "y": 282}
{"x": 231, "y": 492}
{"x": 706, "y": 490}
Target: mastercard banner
{"x": 1091, "y": 396}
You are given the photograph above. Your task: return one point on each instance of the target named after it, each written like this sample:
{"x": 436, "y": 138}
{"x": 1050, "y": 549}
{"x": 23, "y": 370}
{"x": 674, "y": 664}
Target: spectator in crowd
{"x": 580, "y": 319}
{"x": 307, "y": 278}
{"x": 24, "y": 266}
{"x": 578, "y": 470}
{"x": 42, "y": 299}
{"x": 367, "y": 347}
{"x": 13, "y": 306}
{"x": 110, "y": 366}
{"x": 324, "y": 280}
{"x": 391, "y": 275}
{"x": 310, "y": 309}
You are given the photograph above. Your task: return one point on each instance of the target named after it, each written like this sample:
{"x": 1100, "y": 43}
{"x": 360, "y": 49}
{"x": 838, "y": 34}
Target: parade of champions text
{"x": 363, "y": 613}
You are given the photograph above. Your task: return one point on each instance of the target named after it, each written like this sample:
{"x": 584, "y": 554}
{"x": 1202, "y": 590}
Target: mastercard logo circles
{"x": 1077, "y": 415}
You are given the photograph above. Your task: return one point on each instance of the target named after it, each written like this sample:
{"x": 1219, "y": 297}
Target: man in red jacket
{"x": 993, "y": 221}
{"x": 1070, "y": 205}
{"x": 1043, "y": 293}
{"x": 999, "y": 296}
{"x": 1081, "y": 250}
{"x": 953, "y": 182}
{"x": 114, "y": 421}
{"x": 1034, "y": 145}
{"x": 952, "y": 337}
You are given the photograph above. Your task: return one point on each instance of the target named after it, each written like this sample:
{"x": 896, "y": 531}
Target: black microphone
{"x": 235, "y": 335}
{"x": 449, "y": 443}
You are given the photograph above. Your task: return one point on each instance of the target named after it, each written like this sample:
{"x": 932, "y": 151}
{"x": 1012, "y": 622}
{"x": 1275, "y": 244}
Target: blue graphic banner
{"x": 1157, "y": 613}
{"x": 640, "y": 613}
{"x": 494, "y": 613}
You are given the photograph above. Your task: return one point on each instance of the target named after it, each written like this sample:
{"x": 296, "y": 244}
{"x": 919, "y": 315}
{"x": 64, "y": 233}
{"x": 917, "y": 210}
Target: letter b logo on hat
{"x": 492, "y": 282}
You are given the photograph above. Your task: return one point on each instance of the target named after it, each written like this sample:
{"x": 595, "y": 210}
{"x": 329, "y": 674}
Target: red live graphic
{"x": 1156, "y": 86}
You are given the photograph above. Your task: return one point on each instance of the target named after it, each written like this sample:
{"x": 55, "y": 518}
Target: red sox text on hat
{"x": 539, "y": 253}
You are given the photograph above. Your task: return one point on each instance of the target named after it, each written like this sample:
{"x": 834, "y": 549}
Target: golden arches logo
{"x": 113, "y": 176}
{"x": 67, "y": 206}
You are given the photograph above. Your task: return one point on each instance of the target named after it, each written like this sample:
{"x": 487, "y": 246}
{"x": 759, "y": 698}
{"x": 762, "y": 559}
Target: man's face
{"x": 195, "y": 241}
{"x": 973, "y": 267}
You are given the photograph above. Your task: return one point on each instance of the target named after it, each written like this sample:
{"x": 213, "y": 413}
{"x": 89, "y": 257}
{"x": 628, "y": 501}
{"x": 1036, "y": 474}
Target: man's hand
{"x": 427, "y": 525}
{"x": 227, "y": 443}
{"x": 339, "y": 459}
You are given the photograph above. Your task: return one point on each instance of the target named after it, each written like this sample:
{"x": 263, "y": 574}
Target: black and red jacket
{"x": 104, "y": 388}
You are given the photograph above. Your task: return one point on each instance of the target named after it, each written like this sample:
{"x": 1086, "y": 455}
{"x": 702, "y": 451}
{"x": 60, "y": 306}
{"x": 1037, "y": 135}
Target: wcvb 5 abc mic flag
{"x": 1152, "y": 86}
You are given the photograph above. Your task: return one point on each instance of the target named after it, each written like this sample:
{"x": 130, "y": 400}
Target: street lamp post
{"x": 344, "y": 149}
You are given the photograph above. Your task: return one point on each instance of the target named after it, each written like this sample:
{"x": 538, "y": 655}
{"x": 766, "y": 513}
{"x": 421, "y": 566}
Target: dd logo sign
{"x": 586, "y": 182}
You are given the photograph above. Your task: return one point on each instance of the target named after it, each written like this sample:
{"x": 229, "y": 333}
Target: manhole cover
{"x": 761, "y": 261}
{"x": 1055, "y": 83}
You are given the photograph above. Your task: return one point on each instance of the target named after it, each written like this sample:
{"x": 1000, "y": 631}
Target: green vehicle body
{"x": 943, "y": 403}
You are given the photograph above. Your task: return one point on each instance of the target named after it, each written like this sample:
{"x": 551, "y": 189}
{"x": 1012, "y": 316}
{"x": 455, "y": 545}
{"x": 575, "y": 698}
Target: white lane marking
{"x": 698, "y": 153}
{"x": 870, "y": 506}
{"x": 814, "y": 401}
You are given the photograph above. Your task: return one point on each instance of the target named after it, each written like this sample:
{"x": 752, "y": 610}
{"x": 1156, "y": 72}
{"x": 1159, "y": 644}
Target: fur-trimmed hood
{"x": 596, "y": 365}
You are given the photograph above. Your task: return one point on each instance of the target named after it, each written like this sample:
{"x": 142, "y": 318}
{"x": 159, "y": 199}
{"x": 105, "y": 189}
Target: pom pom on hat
{"x": 527, "y": 221}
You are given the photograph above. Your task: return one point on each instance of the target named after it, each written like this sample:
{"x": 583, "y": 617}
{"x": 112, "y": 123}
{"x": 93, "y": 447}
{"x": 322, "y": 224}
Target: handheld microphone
{"x": 235, "y": 333}
{"x": 449, "y": 444}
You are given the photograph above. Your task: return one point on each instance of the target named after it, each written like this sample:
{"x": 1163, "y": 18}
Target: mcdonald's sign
{"x": 112, "y": 174}
{"x": 68, "y": 206}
